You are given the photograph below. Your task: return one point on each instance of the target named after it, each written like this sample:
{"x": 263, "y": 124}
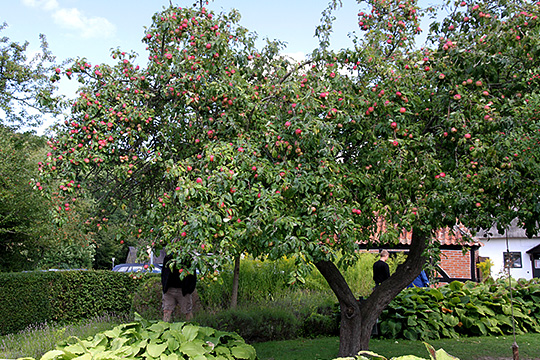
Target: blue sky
{"x": 91, "y": 28}
{"x": 76, "y": 28}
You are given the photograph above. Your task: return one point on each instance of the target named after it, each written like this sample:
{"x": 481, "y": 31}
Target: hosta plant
{"x": 458, "y": 309}
{"x": 155, "y": 340}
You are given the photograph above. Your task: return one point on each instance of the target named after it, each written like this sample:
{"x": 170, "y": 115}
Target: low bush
{"x": 457, "y": 309}
{"x": 147, "y": 298}
{"x": 255, "y": 324}
{"x": 153, "y": 340}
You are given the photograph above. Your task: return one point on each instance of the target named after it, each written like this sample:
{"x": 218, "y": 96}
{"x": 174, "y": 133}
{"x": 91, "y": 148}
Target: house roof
{"x": 534, "y": 250}
{"x": 459, "y": 235}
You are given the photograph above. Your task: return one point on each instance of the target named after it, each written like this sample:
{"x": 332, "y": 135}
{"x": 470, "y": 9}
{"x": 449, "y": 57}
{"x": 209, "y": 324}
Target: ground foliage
{"x": 155, "y": 339}
{"x": 470, "y": 309}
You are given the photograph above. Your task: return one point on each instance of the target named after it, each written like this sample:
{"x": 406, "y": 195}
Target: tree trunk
{"x": 358, "y": 318}
{"x": 236, "y": 280}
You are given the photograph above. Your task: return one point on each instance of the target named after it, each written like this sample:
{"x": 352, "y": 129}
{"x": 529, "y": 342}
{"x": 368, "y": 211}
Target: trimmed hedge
{"x": 62, "y": 296}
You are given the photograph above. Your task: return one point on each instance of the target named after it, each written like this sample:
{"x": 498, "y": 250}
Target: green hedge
{"x": 61, "y": 296}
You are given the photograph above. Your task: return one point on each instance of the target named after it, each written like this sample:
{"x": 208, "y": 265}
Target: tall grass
{"x": 359, "y": 275}
{"x": 36, "y": 340}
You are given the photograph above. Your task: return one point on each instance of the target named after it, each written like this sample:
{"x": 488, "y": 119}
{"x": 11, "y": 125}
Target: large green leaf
{"x": 172, "y": 344}
{"x": 443, "y": 355}
{"x": 172, "y": 356}
{"x": 450, "y": 320}
{"x": 155, "y": 350}
{"x": 118, "y": 343}
{"x": 436, "y": 293}
{"x": 86, "y": 356}
{"x": 193, "y": 348}
{"x": 244, "y": 351}
{"x": 369, "y": 354}
{"x": 77, "y": 348}
{"x": 410, "y": 334}
{"x": 53, "y": 355}
{"x": 190, "y": 332}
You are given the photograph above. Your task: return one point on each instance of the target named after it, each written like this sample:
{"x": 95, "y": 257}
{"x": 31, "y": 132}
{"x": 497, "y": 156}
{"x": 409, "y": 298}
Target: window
{"x": 512, "y": 259}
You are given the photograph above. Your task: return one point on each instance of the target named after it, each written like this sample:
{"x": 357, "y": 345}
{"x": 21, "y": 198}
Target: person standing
{"x": 420, "y": 281}
{"x": 176, "y": 291}
{"x": 381, "y": 270}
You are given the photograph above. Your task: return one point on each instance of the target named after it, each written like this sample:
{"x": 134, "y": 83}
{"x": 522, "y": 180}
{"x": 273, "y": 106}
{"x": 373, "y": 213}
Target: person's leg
{"x": 168, "y": 303}
{"x": 186, "y": 306}
{"x": 167, "y": 315}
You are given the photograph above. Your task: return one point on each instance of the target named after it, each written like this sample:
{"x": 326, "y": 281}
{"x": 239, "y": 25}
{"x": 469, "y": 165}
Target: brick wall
{"x": 456, "y": 263}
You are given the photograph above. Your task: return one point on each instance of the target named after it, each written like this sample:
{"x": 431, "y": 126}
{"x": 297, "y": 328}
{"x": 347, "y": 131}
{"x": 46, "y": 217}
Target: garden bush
{"x": 463, "y": 309}
{"x": 147, "y": 298}
{"x": 255, "y": 324}
{"x": 61, "y": 296}
{"x": 154, "y": 340}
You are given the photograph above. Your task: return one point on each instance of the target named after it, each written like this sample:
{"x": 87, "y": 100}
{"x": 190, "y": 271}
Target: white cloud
{"x": 73, "y": 19}
{"x": 297, "y": 56}
{"x": 47, "y": 5}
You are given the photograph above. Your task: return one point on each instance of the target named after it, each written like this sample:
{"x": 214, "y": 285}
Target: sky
{"x": 90, "y": 29}
{"x": 76, "y": 28}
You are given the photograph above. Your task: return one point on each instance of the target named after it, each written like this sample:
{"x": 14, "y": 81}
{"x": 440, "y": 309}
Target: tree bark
{"x": 359, "y": 317}
{"x": 236, "y": 280}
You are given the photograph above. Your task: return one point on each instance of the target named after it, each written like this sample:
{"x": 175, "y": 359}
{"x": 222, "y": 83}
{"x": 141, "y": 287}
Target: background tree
{"x": 26, "y": 89}
{"x": 29, "y": 239}
{"x": 22, "y": 210}
{"x": 228, "y": 149}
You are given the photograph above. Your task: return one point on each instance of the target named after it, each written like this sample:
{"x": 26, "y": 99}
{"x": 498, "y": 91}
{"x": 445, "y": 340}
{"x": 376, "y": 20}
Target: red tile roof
{"x": 458, "y": 235}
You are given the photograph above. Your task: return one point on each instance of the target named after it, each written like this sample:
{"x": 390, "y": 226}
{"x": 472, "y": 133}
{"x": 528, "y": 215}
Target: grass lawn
{"x": 35, "y": 341}
{"x": 479, "y": 348}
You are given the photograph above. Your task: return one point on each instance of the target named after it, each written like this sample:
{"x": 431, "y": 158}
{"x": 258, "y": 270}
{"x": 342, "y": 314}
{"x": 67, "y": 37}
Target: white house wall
{"x": 495, "y": 246}
{"x": 494, "y": 249}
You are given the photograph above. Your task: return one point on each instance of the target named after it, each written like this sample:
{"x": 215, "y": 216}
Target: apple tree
{"x": 223, "y": 149}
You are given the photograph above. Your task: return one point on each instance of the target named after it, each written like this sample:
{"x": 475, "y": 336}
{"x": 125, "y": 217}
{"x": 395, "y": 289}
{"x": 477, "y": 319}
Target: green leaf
{"x": 410, "y": 334}
{"x": 172, "y": 344}
{"x": 155, "y": 350}
{"x": 190, "y": 332}
{"x": 371, "y": 354}
{"x": 172, "y": 356}
{"x": 86, "y": 356}
{"x": 443, "y": 355}
{"x": 244, "y": 351}
{"x": 53, "y": 355}
{"x": 193, "y": 348}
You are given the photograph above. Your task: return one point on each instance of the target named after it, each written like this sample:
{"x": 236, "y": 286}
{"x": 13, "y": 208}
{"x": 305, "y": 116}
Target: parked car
{"x": 156, "y": 268}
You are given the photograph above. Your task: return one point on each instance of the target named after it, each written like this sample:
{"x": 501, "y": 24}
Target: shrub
{"x": 147, "y": 298}
{"x": 458, "y": 309}
{"x": 257, "y": 324}
{"x": 154, "y": 340}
